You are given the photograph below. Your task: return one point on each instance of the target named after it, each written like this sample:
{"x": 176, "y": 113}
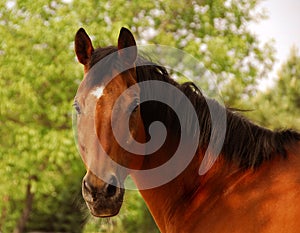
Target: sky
{"x": 283, "y": 25}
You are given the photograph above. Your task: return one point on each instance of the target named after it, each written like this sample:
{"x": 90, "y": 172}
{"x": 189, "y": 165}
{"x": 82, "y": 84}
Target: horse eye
{"x": 76, "y": 106}
{"x": 134, "y": 106}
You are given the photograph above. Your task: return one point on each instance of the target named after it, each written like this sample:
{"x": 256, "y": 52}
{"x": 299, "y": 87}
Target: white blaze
{"x": 98, "y": 92}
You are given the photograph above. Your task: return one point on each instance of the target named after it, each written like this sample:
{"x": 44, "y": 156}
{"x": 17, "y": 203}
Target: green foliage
{"x": 38, "y": 81}
{"x": 279, "y": 107}
{"x": 217, "y": 34}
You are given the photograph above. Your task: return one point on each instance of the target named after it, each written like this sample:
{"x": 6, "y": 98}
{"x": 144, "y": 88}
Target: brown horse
{"x": 253, "y": 186}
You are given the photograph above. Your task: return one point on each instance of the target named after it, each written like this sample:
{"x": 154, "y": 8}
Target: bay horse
{"x": 253, "y": 186}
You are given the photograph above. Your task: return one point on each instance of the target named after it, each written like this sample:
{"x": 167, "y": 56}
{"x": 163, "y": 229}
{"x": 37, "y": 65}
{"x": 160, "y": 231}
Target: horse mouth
{"x": 105, "y": 208}
{"x": 103, "y": 213}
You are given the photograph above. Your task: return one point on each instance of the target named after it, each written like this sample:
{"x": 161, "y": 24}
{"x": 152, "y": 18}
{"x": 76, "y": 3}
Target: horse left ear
{"x": 127, "y": 47}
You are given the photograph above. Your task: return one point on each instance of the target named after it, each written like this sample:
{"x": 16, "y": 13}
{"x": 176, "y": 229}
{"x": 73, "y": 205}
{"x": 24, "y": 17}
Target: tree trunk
{"x": 3, "y": 216}
{"x": 27, "y": 208}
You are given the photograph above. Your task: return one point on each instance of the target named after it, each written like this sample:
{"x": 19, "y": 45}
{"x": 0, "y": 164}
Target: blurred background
{"x": 40, "y": 168}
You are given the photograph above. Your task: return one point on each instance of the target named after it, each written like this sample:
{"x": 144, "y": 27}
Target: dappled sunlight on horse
{"x": 253, "y": 186}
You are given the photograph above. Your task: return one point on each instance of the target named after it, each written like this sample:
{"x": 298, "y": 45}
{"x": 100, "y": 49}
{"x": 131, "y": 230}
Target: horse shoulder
{"x": 265, "y": 200}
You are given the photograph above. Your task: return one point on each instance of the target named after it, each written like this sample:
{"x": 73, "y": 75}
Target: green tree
{"x": 40, "y": 167}
{"x": 279, "y": 107}
{"x": 214, "y": 32}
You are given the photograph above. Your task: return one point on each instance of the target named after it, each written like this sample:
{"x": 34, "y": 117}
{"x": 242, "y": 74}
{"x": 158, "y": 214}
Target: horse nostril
{"x": 90, "y": 189}
{"x": 87, "y": 186}
{"x": 111, "y": 189}
{"x": 92, "y": 192}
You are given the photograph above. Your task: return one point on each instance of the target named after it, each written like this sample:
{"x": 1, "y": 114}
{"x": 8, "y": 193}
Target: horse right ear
{"x": 127, "y": 46}
{"x": 83, "y": 47}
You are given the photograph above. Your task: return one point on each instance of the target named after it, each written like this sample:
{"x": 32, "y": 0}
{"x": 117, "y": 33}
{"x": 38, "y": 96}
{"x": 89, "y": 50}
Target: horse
{"x": 253, "y": 185}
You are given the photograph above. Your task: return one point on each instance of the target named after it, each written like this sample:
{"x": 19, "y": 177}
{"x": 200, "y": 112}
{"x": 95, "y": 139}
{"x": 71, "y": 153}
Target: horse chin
{"x": 100, "y": 214}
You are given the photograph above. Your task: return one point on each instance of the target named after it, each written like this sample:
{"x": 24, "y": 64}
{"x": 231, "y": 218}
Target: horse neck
{"x": 167, "y": 201}
{"x": 171, "y": 201}
{"x": 178, "y": 199}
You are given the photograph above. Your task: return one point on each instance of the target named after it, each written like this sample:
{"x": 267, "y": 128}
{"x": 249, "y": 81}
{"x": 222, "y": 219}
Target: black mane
{"x": 245, "y": 144}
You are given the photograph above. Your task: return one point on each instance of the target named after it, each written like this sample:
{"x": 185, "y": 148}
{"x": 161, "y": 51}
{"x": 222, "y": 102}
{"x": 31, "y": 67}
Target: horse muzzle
{"x": 103, "y": 199}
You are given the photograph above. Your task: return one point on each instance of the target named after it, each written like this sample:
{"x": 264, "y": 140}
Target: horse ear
{"x": 83, "y": 46}
{"x": 126, "y": 46}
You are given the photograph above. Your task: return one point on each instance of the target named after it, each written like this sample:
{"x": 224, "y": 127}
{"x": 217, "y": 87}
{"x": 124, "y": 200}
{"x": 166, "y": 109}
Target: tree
{"x": 279, "y": 107}
{"x": 40, "y": 167}
{"x": 214, "y": 32}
